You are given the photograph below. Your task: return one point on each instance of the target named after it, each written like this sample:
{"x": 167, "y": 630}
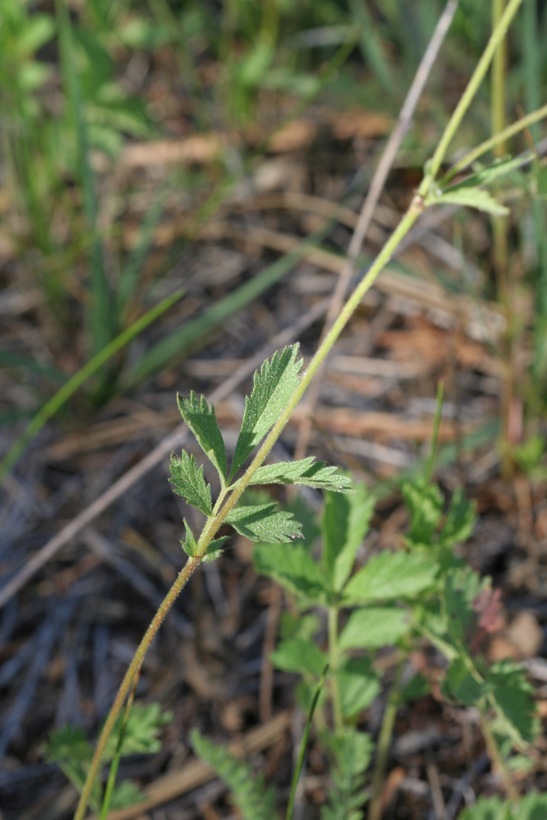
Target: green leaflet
{"x": 188, "y": 544}
{"x": 531, "y": 807}
{"x": 263, "y": 522}
{"x": 359, "y": 685}
{"x": 200, "y": 417}
{"x": 389, "y": 576}
{"x": 214, "y": 550}
{"x": 513, "y": 698}
{"x": 486, "y": 175}
{"x": 273, "y": 385}
{"x": 188, "y": 481}
{"x": 299, "y": 655}
{"x": 253, "y": 798}
{"x": 344, "y": 525}
{"x": 470, "y": 197}
{"x": 292, "y": 566}
{"x": 373, "y": 627}
{"x": 307, "y": 472}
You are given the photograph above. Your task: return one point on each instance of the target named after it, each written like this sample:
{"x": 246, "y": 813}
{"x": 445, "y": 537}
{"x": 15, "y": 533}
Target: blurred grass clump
{"x": 81, "y": 80}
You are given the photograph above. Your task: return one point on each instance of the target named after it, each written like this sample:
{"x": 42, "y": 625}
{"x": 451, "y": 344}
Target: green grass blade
{"x": 77, "y": 380}
{"x": 100, "y": 320}
{"x": 304, "y": 744}
{"x": 197, "y": 329}
{"x": 132, "y": 269}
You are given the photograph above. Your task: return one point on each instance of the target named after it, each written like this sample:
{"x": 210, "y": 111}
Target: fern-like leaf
{"x": 253, "y": 798}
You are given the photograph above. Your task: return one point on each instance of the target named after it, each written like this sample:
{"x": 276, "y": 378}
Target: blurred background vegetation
{"x": 82, "y": 81}
{"x": 162, "y": 164}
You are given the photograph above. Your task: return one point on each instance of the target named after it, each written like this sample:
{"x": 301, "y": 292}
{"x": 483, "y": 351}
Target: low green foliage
{"x": 140, "y": 735}
{"x": 531, "y": 807}
{"x": 253, "y": 799}
{"x": 394, "y": 599}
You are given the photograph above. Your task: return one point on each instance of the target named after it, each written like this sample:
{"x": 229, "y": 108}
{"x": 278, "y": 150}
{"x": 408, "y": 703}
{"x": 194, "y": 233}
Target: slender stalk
{"x": 115, "y": 765}
{"x": 500, "y": 244}
{"x": 134, "y": 667}
{"x": 498, "y": 763}
{"x": 334, "y": 663}
{"x": 384, "y": 742}
{"x": 473, "y": 155}
{"x": 477, "y": 77}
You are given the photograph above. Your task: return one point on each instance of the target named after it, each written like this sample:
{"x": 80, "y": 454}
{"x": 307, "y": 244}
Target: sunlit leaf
{"x": 389, "y": 576}
{"x": 200, "y": 417}
{"x": 273, "y": 385}
{"x": 344, "y": 525}
{"x": 188, "y": 481}
{"x": 264, "y": 522}
{"x": 372, "y": 627}
{"x": 299, "y": 655}
{"x": 305, "y": 471}
{"x": 472, "y": 198}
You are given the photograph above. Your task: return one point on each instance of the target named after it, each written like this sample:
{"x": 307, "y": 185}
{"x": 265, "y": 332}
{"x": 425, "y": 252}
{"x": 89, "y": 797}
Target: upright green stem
{"x": 384, "y": 742}
{"x": 498, "y": 763}
{"x": 334, "y": 663}
{"x": 477, "y": 77}
{"x": 499, "y": 231}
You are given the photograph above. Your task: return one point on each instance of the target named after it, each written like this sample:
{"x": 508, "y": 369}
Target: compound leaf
{"x": 254, "y": 799}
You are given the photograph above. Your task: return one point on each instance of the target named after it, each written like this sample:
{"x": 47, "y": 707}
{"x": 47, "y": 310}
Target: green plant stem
{"x": 78, "y": 379}
{"x": 500, "y": 243}
{"x": 498, "y": 763}
{"x": 430, "y": 465}
{"x": 134, "y": 667}
{"x": 384, "y": 742}
{"x": 477, "y": 77}
{"x": 115, "y": 765}
{"x": 501, "y": 137}
{"x": 334, "y": 664}
{"x": 304, "y": 745}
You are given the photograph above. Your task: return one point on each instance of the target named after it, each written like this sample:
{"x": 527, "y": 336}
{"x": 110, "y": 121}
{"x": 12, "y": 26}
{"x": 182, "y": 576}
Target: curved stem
{"x": 125, "y": 686}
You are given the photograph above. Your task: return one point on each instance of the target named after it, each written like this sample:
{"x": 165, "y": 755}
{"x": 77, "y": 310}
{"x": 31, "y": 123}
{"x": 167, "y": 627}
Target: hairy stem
{"x": 127, "y": 682}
